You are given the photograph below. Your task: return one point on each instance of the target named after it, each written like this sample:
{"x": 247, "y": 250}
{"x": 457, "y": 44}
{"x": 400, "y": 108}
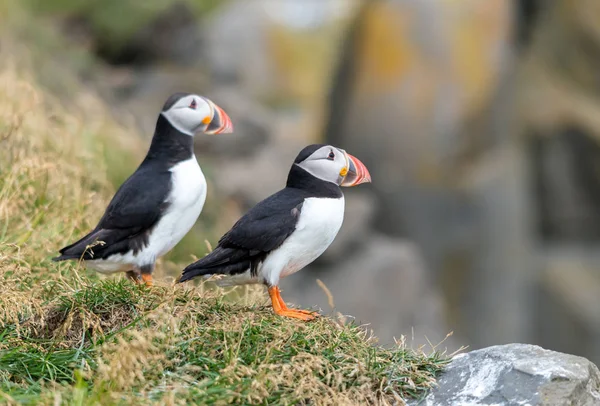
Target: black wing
{"x": 131, "y": 214}
{"x": 264, "y": 228}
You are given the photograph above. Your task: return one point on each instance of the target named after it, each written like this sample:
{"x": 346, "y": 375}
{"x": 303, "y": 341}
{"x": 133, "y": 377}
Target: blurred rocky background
{"x": 479, "y": 121}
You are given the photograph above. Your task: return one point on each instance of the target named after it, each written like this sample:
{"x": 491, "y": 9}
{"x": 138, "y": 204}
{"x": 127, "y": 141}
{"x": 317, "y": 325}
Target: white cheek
{"x": 323, "y": 169}
{"x": 185, "y": 120}
{"x": 341, "y": 161}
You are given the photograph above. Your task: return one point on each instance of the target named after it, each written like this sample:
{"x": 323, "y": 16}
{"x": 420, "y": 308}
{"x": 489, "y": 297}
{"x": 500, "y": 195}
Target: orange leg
{"x": 280, "y": 308}
{"x": 147, "y": 278}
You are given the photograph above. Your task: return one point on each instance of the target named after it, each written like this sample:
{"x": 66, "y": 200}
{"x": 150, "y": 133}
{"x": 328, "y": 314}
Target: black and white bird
{"x": 288, "y": 230}
{"x": 160, "y": 202}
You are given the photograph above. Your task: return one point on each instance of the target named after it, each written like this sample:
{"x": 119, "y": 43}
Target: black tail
{"x": 65, "y": 258}
{"x": 98, "y": 244}
{"x": 191, "y": 271}
{"x": 78, "y": 248}
{"x": 222, "y": 261}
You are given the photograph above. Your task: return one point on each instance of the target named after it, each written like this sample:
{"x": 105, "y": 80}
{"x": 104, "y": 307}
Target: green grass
{"x": 69, "y": 336}
{"x": 118, "y": 342}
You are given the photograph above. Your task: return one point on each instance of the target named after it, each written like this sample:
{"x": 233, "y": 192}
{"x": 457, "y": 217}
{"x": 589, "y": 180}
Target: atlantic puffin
{"x": 288, "y": 230}
{"x": 160, "y": 202}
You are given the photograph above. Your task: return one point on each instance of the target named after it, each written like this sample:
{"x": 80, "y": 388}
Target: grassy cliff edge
{"x": 68, "y": 336}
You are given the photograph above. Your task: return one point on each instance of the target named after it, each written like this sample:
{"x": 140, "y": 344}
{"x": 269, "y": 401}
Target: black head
{"x": 174, "y": 98}
{"x": 307, "y": 151}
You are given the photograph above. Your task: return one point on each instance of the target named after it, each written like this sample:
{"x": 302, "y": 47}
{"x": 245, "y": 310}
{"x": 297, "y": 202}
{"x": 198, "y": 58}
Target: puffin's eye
{"x": 331, "y": 155}
{"x": 193, "y": 104}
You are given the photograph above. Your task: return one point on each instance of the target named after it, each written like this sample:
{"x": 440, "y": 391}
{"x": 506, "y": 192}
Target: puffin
{"x": 288, "y": 230}
{"x": 160, "y": 202}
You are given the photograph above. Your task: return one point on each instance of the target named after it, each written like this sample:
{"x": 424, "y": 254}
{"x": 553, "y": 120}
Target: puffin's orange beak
{"x": 357, "y": 172}
{"x": 220, "y": 123}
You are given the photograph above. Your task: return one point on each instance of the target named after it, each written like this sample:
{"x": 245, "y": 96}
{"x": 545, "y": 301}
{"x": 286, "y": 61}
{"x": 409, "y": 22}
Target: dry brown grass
{"x": 68, "y": 336}
{"x": 53, "y": 180}
{"x": 176, "y": 345}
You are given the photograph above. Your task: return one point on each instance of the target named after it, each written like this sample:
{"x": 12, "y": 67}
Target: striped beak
{"x": 220, "y": 123}
{"x": 357, "y": 172}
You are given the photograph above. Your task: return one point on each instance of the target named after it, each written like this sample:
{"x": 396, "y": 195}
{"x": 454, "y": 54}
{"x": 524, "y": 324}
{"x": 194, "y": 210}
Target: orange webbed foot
{"x": 280, "y": 308}
{"x": 309, "y": 312}
{"x": 295, "y": 314}
{"x": 147, "y": 278}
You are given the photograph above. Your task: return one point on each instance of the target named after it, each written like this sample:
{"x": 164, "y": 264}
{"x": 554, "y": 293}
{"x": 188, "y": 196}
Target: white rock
{"x": 516, "y": 374}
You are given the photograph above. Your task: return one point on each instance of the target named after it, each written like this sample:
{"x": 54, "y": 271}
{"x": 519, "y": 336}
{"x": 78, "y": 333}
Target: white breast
{"x": 320, "y": 221}
{"x": 186, "y": 200}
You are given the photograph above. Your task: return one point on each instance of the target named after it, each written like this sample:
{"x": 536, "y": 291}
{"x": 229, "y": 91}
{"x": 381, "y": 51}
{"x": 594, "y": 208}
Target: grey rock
{"x": 516, "y": 375}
